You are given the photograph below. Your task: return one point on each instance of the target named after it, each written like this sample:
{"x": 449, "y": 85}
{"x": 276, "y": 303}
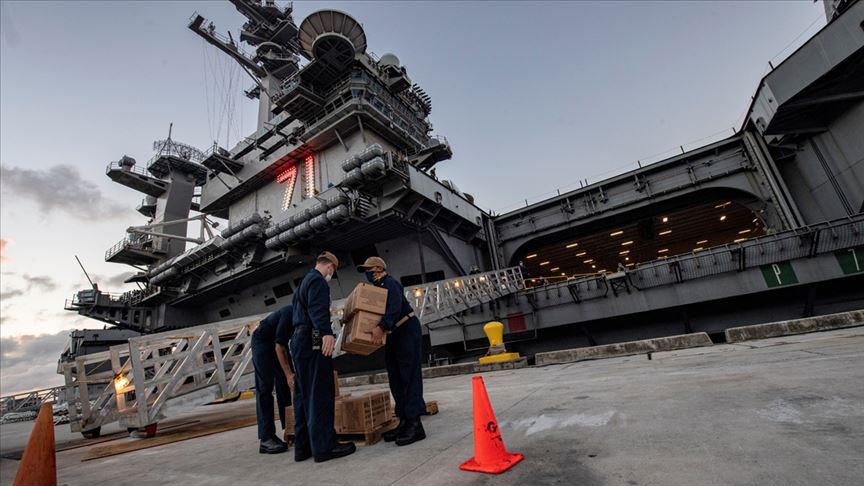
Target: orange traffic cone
{"x": 490, "y": 456}
{"x": 39, "y": 464}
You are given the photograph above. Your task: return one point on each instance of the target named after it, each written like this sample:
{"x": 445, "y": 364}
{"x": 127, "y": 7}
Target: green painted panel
{"x": 851, "y": 260}
{"x": 779, "y": 274}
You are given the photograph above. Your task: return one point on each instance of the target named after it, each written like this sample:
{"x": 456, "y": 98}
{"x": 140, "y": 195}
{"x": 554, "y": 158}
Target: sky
{"x": 532, "y": 96}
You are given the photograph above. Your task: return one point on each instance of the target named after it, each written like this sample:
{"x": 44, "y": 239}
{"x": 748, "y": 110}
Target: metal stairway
{"x": 441, "y": 299}
{"x": 132, "y": 383}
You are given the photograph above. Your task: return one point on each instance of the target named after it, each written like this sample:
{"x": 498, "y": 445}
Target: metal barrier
{"x": 170, "y": 364}
{"x": 90, "y": 388}
{"x": 32, "y": 400}
{"x": 438, "y": 300}
{"x": 805, "y": 242}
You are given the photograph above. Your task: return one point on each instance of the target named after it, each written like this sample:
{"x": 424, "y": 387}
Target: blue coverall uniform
{"x": 403, "y": 351}
{"x": 277, "y": 327}
{"x": 313, "y": 384}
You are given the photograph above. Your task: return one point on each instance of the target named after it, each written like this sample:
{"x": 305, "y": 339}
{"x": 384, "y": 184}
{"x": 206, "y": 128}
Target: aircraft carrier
{"x": 764, "y": 225}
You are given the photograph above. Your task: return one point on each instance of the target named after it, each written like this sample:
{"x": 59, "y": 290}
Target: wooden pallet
{"x": 368, "y": 437}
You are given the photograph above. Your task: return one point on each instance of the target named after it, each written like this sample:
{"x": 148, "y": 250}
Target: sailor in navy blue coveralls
{"x": 312, "y": 349}
{"x": 269, "y": 374}
{"x": 402, "y": 354}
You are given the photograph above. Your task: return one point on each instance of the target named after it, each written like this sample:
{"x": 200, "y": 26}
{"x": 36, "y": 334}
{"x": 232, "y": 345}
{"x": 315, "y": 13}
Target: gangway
{"x": 132, "y": 383}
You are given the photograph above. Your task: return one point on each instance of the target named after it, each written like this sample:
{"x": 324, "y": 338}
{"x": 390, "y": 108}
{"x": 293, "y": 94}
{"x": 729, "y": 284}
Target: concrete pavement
{"x": 784, "y": 411}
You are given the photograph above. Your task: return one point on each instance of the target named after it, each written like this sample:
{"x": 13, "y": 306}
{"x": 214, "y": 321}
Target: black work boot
{"x": 341, "y": 449}
{"x": 272, "y": 446}
{"x": 391, "y": 435}
{"x": 412, "y": 432}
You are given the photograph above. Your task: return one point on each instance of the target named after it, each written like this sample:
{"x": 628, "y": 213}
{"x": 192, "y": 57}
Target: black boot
{"x": 391, "y": 435}
{"x": 412, "y": 432}
{"x": 272, "y": 446}
{"x": 300, "y": 456}
{"x": 341, "y": 449}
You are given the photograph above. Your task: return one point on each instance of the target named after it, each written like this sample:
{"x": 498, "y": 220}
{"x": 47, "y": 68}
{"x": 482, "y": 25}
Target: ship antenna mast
{"x": 85, "y": 272}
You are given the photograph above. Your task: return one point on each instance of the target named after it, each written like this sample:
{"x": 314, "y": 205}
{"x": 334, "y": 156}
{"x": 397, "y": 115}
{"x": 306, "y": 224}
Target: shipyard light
{"x": 627, "y": 243}
{"x": 572, "y": 245}
{"x": 533, "y": 255}
{"x": 700, "y": 242}
{"x": 664, "y": 250}
{"x": 665, "y": 232}
{"x": 617, "y": 233}
{"x": 544, "y": 263}
{"x": 554, "y": 269}
{"x": 581, "y": 253}
{"x": 744, "y": 232}
{"x": 120, "y": 382}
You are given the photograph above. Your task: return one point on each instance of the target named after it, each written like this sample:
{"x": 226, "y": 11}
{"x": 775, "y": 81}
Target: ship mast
{"x": 272, "y": 31}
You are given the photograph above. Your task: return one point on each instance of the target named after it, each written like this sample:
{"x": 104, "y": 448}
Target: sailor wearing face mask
{"x": 312, "y": 349}
{"x": 402, "y": 354}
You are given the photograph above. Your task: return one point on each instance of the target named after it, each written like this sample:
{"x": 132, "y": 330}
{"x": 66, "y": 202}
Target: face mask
{"x": 370, "y": 276}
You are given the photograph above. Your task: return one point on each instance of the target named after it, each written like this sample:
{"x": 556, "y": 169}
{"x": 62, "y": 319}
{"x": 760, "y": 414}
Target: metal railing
{"x": 438, "y": 300}
{"x": 133, "y": 240}
{"x": 804, "y": 242}
{"x": 128, "y": 168}
{"x": 32, "y": 400}
{"x": 170, "y": 364}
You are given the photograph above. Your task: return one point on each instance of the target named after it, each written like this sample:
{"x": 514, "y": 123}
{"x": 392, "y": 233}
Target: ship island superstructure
{"x": 343, "y": 159}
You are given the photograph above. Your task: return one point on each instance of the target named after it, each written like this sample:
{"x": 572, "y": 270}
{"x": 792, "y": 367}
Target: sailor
{"x": 402, "y": 354}
{"x": 312, "y": 349}
{"x": 272, "y": 371}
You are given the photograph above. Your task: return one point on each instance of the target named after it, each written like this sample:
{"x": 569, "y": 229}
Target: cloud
{"x": 30, "y": 362}
{"x": 60, "y": 188}
{"x": 34, "y": 283}
{"x": 8, "y": 294}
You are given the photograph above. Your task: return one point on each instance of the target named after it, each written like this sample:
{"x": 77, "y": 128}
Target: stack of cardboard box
{"x": 359, "y": 414}
{"x": 363, "y": 311}
{"x": 354, "y": 414}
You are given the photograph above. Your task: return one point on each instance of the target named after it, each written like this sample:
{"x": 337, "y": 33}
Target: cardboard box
{"x": 359, "y": 414}
{"x": 358, "y": 334}
{"x": 339, "y": 421}
{"x": 365, "y": 297}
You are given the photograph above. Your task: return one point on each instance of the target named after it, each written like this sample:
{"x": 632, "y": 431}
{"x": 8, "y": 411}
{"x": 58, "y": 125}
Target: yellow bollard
{"x": 497, "y": 352}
